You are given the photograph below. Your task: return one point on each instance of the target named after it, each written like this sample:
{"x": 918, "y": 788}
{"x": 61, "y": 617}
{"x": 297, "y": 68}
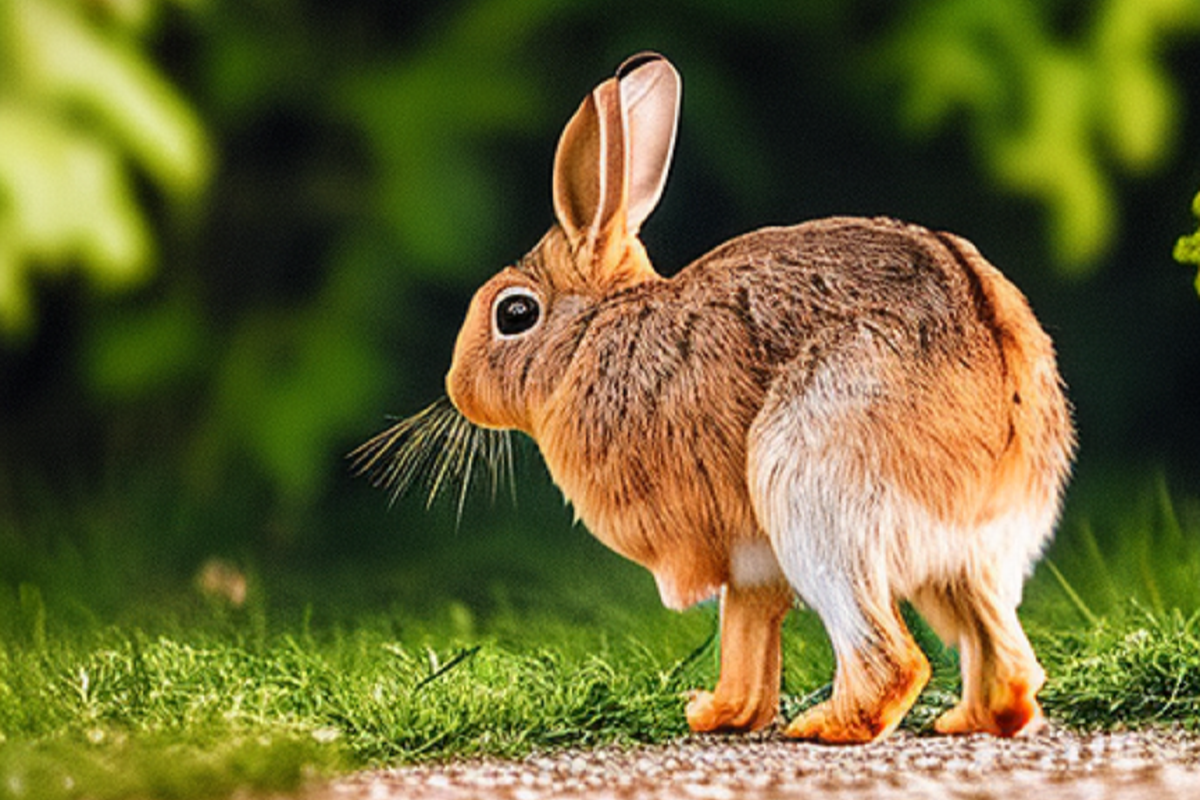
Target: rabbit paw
{"x": 708, "y": 713}
{"x": 822, "y": 723}
{"x": 1021, "y": 714}
{"x": 860, "y": 711}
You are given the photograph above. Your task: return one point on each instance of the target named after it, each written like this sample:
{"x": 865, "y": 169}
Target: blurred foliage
{"x": 80, "y": 104}
{"x": 1054, "y": 115}
{"x": 378, "y": 160}
{"x": 1187, "y": 249}
{"x": 1139, "y": 543}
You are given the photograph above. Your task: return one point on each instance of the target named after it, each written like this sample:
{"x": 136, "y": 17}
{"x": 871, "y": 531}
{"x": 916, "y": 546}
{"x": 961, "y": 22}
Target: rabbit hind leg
{"x": 747, "y": 693}
{"x": 825, "y": 538}
{"x": 832, "y": 518}
{"x": 1000, "y": 673}
{"x": 877, "y": 680}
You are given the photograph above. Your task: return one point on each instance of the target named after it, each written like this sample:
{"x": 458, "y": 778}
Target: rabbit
{"x": 852, "y": 412}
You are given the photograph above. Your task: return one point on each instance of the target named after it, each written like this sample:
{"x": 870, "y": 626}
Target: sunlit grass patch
{"x": 1140, "y": 669}
{"x": 114, "y": 764}
{"x": 492, "y": 646}
{"x": 199, "y": 714}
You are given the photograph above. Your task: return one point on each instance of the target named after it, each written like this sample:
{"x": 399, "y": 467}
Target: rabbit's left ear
{"x": 613, "y": 156}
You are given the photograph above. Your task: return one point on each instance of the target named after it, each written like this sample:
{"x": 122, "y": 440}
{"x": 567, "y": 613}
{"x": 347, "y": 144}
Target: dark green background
{"x": 376, "y": 161}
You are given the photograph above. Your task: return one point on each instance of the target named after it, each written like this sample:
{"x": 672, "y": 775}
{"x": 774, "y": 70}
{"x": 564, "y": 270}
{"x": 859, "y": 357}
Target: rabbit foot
{"x": 1020, "y": 715}
{"x": 707, "y": 713}
{"x": 746, "y": 697}
{"x": 857, "y": 717}
{"x": 822, "y": 723}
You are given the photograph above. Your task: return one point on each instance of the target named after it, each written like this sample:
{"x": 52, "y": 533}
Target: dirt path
{"x": 1153, "y": 765}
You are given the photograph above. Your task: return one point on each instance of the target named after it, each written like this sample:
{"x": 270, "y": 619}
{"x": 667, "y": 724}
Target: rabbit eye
{"x": 516, "y": 311}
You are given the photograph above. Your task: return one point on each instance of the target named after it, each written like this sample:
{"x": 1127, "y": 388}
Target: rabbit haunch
{"x": 859, "y": 411}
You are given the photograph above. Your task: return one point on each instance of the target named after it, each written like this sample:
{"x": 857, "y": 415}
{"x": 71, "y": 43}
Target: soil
{"x": 1156, "y": 765}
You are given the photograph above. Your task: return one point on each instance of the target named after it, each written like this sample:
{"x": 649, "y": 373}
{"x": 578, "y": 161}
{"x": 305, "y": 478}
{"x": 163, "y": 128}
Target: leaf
{"x": 63, "y": 197}
{"x": 1055, "y": 115}
{"x": 69, "y": 65}
{"x": 1187, "y": 248}
{"x": 423, "y": 120}
{"x": 132, "y": 354}
{"x": 80, "y": 103}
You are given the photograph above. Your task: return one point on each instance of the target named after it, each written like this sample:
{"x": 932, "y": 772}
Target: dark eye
{"x": 517, "y": 310}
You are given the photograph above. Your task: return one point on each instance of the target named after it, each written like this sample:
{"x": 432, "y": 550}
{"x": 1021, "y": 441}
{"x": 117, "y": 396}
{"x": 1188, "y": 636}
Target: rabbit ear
{"x": 612, "y": 159}
{"x": 650, "y": 91}
{"x": 589, "y": 166}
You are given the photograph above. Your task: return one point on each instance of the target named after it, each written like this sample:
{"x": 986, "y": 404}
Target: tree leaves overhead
{"x": 1055, "y": 116}
{"x": 424, "y": 120}
{"x": 81, "y": 108}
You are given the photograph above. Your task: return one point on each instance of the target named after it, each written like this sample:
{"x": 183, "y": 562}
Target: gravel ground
{"x": 1154, "y": 765}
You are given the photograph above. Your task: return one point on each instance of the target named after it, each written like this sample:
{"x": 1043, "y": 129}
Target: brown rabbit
{"x": 855, "y": 411}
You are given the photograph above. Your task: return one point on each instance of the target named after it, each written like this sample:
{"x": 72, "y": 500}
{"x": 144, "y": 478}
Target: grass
{"x": 263, "y": 716}
{"x": 1143, "y": 669}
{"x": 499, "y": 640}
{"x": 1141, "y": 545}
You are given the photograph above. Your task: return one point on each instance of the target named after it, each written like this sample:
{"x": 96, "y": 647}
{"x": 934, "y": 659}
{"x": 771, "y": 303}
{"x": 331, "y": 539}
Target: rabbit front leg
{"x": 746, "y": 697}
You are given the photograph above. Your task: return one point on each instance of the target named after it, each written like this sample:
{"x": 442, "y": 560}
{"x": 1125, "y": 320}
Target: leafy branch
{"x": 1053, "y": 116}
{"x": 81, "y": 108}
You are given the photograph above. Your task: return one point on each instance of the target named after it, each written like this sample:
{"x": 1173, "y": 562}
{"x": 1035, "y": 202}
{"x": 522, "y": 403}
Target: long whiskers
{"x": 439, "y": 448}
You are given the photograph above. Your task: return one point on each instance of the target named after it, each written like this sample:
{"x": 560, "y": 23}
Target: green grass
{"x": 499, "y": 639}
{"x": 1142, "y": 669}
{"x": 228, "y": 711}
{"x": 493, "y": 641}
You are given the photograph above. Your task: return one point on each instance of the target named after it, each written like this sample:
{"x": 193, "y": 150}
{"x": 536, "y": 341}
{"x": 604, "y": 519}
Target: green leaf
{"x": 64, "y": 197}
{"x": 80, "y": 104}
{"x": 1056, "y": 116}
{"x": 69, "y": 65}
{"x": 132, "y": 354}
{"x": 1187, "y": 248}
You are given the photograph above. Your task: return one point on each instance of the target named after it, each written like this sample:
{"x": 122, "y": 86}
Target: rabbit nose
{"x": 463, "y": 394}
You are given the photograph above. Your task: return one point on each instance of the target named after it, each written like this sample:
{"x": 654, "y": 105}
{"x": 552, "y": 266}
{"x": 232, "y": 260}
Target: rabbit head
{"x": 609, "y": 170}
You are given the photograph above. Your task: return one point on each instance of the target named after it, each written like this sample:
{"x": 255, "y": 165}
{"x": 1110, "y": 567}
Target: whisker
{"x": 501, "y": 465}
{"x": 439, "y": 448}
{"x": 466, "y": 471}
{"x": 447, "y": 434}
